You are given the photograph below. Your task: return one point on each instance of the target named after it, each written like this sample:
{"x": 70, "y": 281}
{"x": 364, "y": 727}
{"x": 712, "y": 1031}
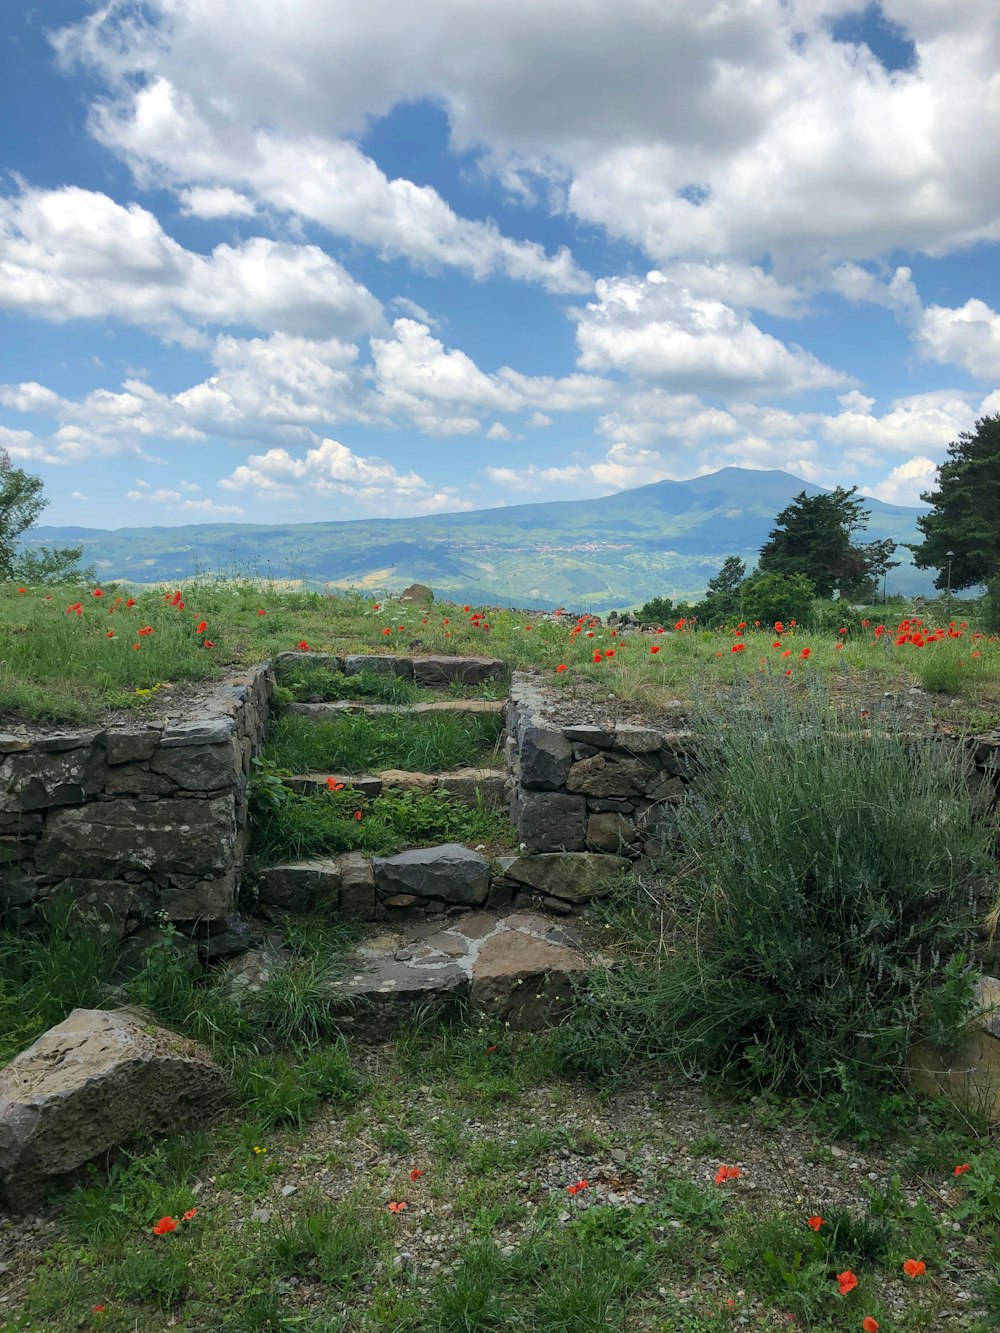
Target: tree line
{"x": 813, "y": 552}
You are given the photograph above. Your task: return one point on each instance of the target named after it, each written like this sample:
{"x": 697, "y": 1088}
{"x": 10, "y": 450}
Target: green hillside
{"x": 668, "y": 538}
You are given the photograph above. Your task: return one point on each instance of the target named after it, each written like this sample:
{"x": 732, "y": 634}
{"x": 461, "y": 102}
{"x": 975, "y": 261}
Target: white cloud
{"x": 330, "y": 468}
{"x": 76, "y": 254}
{"x": 164, "y": 496}
{"x": 498, "y": 431}
{"x": 23, "y": 446}
{"x": 968, "y": 336}
{"x": 155, "y": 497}
{"x": 657, "y": 329}
{"x": 210, "y": 507}
{"x": 621, "y": 468}
{"x": 920, "y": 421}
{"x": 78, "y": 495}
{"x": 217, "y": 202}
{"x": 904, "y": 483}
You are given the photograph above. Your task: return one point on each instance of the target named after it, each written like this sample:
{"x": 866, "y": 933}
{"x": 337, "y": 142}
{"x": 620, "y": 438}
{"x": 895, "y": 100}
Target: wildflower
{"x": 387, "y": 630}
{"x": 678, "y": 624}
{"x": 98, "y": 1309}
{"x": 262, "y": 613}
{"x": 466, "y": 608}
{"x": 191, "y": 1213}
{"x": 110, "y": 634}
{"x": 737, "y": 648}
{"x": 333, "y": 785}
{"x": 490, "y": 1050}
{"x": 208, "y": 643}
{"x": 561, "y": 667}
{"x": 776, "y": 644}
{"x": 961, "y": 1169}
{"x": 815, "y": 1222}
{"x": 842, "y": 630}
{"x": 742, "y": 625}
{"x": 258, "y": 1150}
{"x": 609, "y": 652}
{"x": 977, "y": 653}
{"x": 598, "y": 657}
{"x": 358, "y": 816}
{"x": 135, "y": 647}
{"x": 793, "y": 623}
{"x": 164, "y": 1225}
{"x": 399, "y": 1207}
{"x": 145, "y": 631}
{"x": 376, "y": 606}
{"x": 97, "y": 593}
{"x": 201, "y": 626}
{"x": 22, "y": 589}
{"x": 869, "y": 1324}
{"x": 76, "y": 608}
{"x": 303, "y": 645}
{"x": 416, "y": 1173}
{"x": 446, "y": 621}
{"x": 576, "y": 1189}
{"x": 130, "y": 602}
{"x": 914, "y": 1267}
{"x": 779, "y": 627}
{"x": 806, "y": 652}
{"x": 865, "y": 624}
{"x": 787, "y": 653}
{"x": 846, "y": 1281}
{"x": 725, "y": 1173}
{"x": 654, "y": 647}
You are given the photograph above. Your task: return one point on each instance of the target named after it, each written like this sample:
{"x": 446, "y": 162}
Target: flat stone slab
{"x": 518, "y": 969}
{"x": 322, "y": 712}
{"x": 576, "y": 877}
{"x": 465, "y": 786}
{"x": 465, "y": 670}
{"x": 449, "y": 872}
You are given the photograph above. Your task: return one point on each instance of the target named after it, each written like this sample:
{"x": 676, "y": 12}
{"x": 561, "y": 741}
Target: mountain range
{"x": 615, "y": 552}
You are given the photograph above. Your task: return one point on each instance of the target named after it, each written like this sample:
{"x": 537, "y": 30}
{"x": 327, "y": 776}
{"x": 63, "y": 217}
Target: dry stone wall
{"x": 135, "y": 822}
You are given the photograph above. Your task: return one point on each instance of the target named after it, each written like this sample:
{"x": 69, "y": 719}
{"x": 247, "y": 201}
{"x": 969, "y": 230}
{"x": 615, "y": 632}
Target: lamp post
{"x": 949, "y": 556}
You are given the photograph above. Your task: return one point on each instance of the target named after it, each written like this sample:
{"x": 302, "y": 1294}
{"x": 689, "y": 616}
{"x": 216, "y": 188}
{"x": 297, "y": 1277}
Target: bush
{"x": 657, "y": 611}
{"x": 816, "y": 904}
{"x": 772, "y": 597}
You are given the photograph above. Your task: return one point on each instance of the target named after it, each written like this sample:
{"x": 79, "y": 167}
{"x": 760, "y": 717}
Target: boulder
{"x": 436, "y": 671}
{"x": 417, "y": 594}
{"x": 524, "y": 979}
{"x": 546, "y": 757}
{"x": 549, "y": 821}
{"x": 450, "y": 872}
{"x": 301, "y": 887}
{"x": 99, "y": 1080}
{"x": 576, "y": 877}
{"x": 610, "y": 775}
{"x": 609, "y": 831}
{"x": 357, "y": 887}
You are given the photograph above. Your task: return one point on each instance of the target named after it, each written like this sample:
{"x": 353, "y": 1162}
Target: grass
{"x": 286, "y": 825}
{"x": 356, "y": 743}
{"x": 62, "y": 667}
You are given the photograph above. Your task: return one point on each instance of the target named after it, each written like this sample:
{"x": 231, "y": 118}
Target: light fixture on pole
{"x": 949, "y": 556}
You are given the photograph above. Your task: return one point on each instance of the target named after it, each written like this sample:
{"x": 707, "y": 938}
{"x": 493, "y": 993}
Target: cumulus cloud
{"x": 331, "y": 468}
{"x": 77, "y": 254}
{"x": 968, "y": 336}
{"x": 620, "y": 468}
{"x": 904, "y": 483}
{"x": 658, "y": 329}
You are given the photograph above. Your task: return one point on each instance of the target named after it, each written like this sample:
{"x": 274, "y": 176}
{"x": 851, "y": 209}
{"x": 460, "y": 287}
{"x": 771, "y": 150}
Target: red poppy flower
{"x": 598, "y": 657}
{"x": 387, "y": 630}
{"x": 814, "y": 1222}
{"x": 865, "y": 624}
{"x": 725, "y": 1173}
{"x": 846, "y": 1281}
{"x": 145, "y": 631}
{"x": 842, "y": 630}
{"x": 130, "y": 602}
{"x": 738, "y": 648}
{"x": 416, "y": 1173}
{"x": 98, "y": 1309}
{"x": 654, "y": 647}
{"x": 806, "y": 652}
{"x": 869, "y": 1324}
{"x": 97, "y": 593}
{"x": 262, "y": 613}
{"x": 914, "y": 1267}
{"x": 779, "y": 627}
{"x": 22, "y": 589}
{"x": 961, "y": 1169}
{"x": 201, "y": 626}
{"x": 135, "y": 646}
{"x": 164, "y": 1225}
{"x": 742, "y": 625}
{"x": 580, "y": 1185}
{"x": 333, "y": 785}
{"x": 357, "y": 815}
{"x": 376, "y": 606}
{"x": 446, "y": 621}
{"x": 110, "y": 634}
{"x": 787, "y": 653}
{"x": 191, "y": 1212}
{"x": 399, "y": 1207}
{"x": 609, "y": 652}
{"x": 303, "y": 645}
{"x": 207, "y": 643}
{"x": 466, "y": 608}
{"x": 561, "y": 666}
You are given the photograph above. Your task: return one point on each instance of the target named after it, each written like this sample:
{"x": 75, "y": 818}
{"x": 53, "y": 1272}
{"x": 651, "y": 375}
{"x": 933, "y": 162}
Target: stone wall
{"x": 135, "y": 822}
{"x": 599, "y": 786}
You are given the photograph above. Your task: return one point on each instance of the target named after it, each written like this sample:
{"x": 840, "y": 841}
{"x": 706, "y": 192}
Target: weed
{"x": 357, "y": 743}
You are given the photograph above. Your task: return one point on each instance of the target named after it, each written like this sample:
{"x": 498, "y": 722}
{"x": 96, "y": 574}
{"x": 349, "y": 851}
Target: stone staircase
{"x": 444, "y": 923}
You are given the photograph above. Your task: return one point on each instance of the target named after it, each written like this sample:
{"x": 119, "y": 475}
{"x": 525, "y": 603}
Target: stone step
{"x": 437, "y": 879}
{"x": 465, "y": 786}
{"x": 327, "y": 711}
{"x": 431, "y": 671}
{"x": 516, "y": 969}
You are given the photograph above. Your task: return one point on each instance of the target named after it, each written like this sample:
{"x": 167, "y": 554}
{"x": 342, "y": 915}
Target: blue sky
{"x": 285, "y": 262}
